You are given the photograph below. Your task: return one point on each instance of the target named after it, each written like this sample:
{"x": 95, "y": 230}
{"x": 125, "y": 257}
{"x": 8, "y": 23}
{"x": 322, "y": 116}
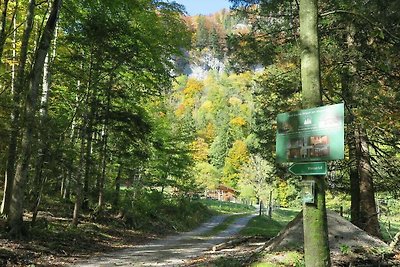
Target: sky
{"x": 204, "y": 7}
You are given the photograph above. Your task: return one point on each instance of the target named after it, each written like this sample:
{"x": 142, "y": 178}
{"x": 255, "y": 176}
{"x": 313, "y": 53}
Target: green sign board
{"x": 308, "y": 168}
{"x": 315, "y": 134}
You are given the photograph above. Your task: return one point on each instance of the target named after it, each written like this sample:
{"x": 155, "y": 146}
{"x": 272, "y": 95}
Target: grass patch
{"x": 224, "y": 225}
{"x": 286, "y": 258}
{"x": 284, "y": 216}
{"x": 262, "y": 226}
{"x": 390, "y": 226}
{"x": 227, "y": 207}
{"x": 269, "y": 227}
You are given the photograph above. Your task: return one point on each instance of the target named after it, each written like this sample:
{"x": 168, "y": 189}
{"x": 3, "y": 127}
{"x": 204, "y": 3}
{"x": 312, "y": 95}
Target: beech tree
{"x": 21, "y": 174}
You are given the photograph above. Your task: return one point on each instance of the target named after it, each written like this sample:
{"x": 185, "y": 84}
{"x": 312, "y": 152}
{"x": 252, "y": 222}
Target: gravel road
{"x": 172, "y": 250}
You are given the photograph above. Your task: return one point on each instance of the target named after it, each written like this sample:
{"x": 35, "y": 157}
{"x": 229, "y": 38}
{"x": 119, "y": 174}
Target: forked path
{"x": 173, "y": 250}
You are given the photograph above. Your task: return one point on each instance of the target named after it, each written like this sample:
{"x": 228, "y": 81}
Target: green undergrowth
{"x": 156, "y": 213}
{"x": 390, "y": 225}
{"x": 266, "y": 227}
{"x": 262, "y": 226}
{"x": 281, "y": 259}
{"x": 227, "y": 207}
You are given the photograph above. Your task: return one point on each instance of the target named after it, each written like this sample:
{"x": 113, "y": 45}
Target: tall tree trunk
{"x": 270, "y": 204}
{"x": 89, "y": 113}
{"x": 78, "y": 181}
{"x": 316, "y": 247}
{"x": 88, "y": 157}
{"x": 39, "y": 180}
{"x": 368, "y": 215}
{"x": 15, "y": 117}
{"x": 21, "y": 175}
{"x": 104, "y": 150}
{"x": 349, "y": 87}
{"x": 117, "y": 188}
{"x": 3, "y": 24}
{"x": 354, "y": 181}
{"x": 363, "y": 207}
{"x": 103, "y": 173}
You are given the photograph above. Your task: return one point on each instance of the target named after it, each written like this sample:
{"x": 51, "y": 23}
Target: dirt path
{"x": 170, "y": 251}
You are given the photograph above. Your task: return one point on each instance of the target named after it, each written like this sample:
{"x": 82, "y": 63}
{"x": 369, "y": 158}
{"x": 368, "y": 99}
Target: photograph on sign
{"x": 311, "y": 134}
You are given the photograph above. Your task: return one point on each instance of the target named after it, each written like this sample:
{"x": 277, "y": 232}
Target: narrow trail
{"x": 170, "y": 251}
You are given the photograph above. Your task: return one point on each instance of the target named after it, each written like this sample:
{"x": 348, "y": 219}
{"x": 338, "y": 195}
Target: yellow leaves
{"x": 238, "y": 121}
{"x": 200, "y": 149}
{"x": 238, "y": 154}
{"x": 193, "y": 87}
{"x": 182, "y": 108}
{"x": 189, "y": 92}
{"x": 208, "y": 133}
{"x": 207, "y": 106}
{"x": 180, "y": 111}
{"x": 283, "y": 193}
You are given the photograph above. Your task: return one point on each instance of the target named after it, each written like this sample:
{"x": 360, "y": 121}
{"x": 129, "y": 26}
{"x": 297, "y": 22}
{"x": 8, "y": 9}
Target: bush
{"x": 155, "y": 212}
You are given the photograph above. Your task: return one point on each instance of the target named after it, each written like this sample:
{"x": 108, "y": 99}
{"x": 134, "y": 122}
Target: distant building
{"x": 223, "y": 193}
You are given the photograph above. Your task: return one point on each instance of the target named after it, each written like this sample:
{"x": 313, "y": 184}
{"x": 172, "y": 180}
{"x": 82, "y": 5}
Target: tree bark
{"x": 117, "y": 188}
{"x": 21, "y": 175}
{"x": 88, "y": 156}
{"x": 78, "y": 182}
{"x": 39, "y": 180}
{"x": 316, "y": 247}
{"x": 15, "y": 117}
{"x": 3, "y": 23}
{"x": 368, "y": 216}
{"x": 104, "y": 150}
{"x": 270, "y": 204}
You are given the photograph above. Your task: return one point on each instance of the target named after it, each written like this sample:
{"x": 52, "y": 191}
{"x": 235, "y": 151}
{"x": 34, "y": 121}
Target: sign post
{"x": 309, "y": 168}
{"x": 315, "y": 134}
{"x": 314, "y": 143}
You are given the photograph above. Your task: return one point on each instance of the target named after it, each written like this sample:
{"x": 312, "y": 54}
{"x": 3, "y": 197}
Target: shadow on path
{"x": 172, "y": 250}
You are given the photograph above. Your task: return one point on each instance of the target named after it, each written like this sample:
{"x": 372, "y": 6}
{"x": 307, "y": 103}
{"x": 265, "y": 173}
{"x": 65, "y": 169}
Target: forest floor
{"x": 98, "y": 245}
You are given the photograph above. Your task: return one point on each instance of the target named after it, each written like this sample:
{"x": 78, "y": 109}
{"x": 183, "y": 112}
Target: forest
{"x": 133, "y": 109}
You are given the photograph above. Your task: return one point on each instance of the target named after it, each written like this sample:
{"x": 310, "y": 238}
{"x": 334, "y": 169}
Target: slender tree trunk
{"x": 316, "y": 247}
{"x": 348, "y": 89}
{"x": 14, "y": 54}
{"x": 88, "y": 159}
{"x": 3, "y": 24}
{"x": 39, "y": 180}
{"x": 104, "y": 151}
{"x": 369, "y": 215}
{"x": 117, "y": 188}
{"x": 353, "y": 144}
{"x": 78, "y": 182}
{"x": 354, "y": 184}
{"x": 270, "y": 205}
{"x": 103, "y": 175}
{"x": 15, "y": 117}
{"x": 21, "y": 174}
{"x": 66, "y": 183}
{"x": 89, "y": 138}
